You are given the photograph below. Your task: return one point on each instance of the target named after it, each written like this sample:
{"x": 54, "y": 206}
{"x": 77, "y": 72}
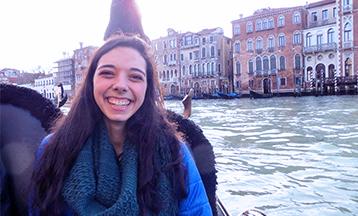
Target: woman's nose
{"x": 120, "y": 84}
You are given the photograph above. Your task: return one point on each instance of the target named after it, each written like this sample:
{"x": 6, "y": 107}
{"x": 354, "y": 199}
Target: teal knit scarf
{"x": 99, "y": 184}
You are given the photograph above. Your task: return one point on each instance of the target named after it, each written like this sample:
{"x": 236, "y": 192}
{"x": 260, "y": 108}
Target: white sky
{"x": 36, "y": 32}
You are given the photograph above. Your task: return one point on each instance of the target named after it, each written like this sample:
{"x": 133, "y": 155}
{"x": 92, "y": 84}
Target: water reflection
{"x": 285, "y": 156}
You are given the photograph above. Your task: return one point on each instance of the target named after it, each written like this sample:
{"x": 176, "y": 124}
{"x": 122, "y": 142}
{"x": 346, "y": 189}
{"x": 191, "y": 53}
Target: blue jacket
{"x": 196, "y": 203}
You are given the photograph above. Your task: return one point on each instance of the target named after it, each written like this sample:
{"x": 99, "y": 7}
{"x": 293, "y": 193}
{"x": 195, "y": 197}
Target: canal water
{"x": 283, "y": 156}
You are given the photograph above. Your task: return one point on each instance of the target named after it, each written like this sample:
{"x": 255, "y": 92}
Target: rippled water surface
{"x": 284, "y": 156}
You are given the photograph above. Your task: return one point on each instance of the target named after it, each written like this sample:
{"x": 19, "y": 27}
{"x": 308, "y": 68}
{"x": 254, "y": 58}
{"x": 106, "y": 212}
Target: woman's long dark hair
{"x": 143, "y": 129}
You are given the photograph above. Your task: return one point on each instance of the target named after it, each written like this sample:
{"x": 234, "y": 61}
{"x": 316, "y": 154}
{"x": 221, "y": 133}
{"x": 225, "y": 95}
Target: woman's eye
{"x": 106, "y": 73}
{"x": 137, "y": 77}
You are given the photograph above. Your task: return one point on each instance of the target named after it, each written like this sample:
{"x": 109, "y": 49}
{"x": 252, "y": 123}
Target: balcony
{"x": 348, "y": 45}
{"x": 309, "y": 49}
{"x": 312, "y": 24}
{"x": 327, "y": 47}
{"x": 259, "y": 50}
{"x": 347, "y": 9}
{"x": 271, "y": 49}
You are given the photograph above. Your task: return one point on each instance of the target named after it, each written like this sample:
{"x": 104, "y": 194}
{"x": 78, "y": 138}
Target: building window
{"x": 325, "y": 14}
{"x": 334, "y": 12}
{"x": 187, "y": 40}
{"x": 190, "y": 56}
{"x": 314, "y": 17}
{"x": 281, "y": 21}
{"x": 273, "y": 63}
{"x": 282, "y": 81}
{"x": 259, "y": 44}
{"x": 237, "y": 47}
{"x": 203, "y": 41}
{"x": 297, "y": 62}
{"x": 330, "y": 35}
{"x": 264, "y": 24}
{"x": 249, "y": 27}
{"x": 181, "y": 57}
{"x": 211, "y": 38}
{"x": 258, "y": 64}
{"x": 203, "y": 66}
{"x": 297, "y": 38}
{"x": 347, "y": 67}
{"x": 212, "y": 68}
{"x": 238, "y": 68}
{"x": 203, "y": 52}
{"x": 347, "y": 32}
{"x": 271, "y": 42}
{"x": 296, "y": 18}
{"x": 236, "y": 29}
{"x": 212, "y": 51}
{"x": 319, "y": 39}
{"x": 183, "y": 71}
{"x": 282, "y": 63}
{"x": 308, "y": 39}
{"x": 208, "y": 68}
{"x": 346, "y": 2}
{"x": 266, "y": 63}
{"x": 271, "y": 23}
{"x": 251, "y": 66}
{"x": 250, "y": 45}
{"x": 281, "y": 40}
{"x": 258, "y": 25}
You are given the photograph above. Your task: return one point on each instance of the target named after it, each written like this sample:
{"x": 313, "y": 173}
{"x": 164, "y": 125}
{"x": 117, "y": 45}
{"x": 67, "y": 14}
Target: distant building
{"x": 65, "y": 74}
{"x": 81, "y": 59}
{"x": 267, "y": 50}
{"x": 200, "y": 60}
{"x": 9, "y": 75}
{"x": 45, "y": 86}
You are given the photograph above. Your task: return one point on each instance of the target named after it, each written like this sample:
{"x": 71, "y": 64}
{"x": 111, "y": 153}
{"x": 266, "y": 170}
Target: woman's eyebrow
{"x": 138, "y": 70}
{"x": 106, "y": 65}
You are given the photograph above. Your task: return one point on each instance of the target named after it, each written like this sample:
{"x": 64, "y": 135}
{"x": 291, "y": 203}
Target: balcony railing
{"x": 347, "y": 44}
{"x": 259, "y": 50}
{"x": 321, "y": 23}
{"x": 347, "y": 8}
{"x": 271, "y": 49}
{"x": 320, "y": 48}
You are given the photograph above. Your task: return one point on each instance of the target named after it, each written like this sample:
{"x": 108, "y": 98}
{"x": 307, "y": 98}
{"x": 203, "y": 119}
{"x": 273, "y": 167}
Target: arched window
{"x": 348, "y": 67}
{"x": 249, "y": 27}
{"x": 208, "y": 68}
{"x": 190, "y": 69}
{"x": 212, "y": 51}
{"x": 347, "y": 32}
{"x": 212, "y": 68}
{"x": 266, "y": 63}
{"x": 298, "y": 62}
{"x": 258, "y": 64}
{"x": 264, "y": 24}
{"x": 281, "y": 40}
{"x": 297, "y": 38}
{"x": 251, "y": 66}
{"x": 308, "y": 39}
{"x": 282, "y": 63}
{"x": 237, "y": 47}
{"x": 195, "y": 70}
{"x": 259, "y": 44}
{"x": 296, "y": 18}
{"x": 183, "y": 69}
{"x": 203, "y": 52}
{"x": 271, "y": 23}
{"x": 258, "y": 25}
{"x": 273, "y": 63}
{"x": 271, "y": 42}
{"x": 203, "y": 68}
{"x": 330, "y": 35}
{"x": 250, "y": 46}
{"x": 281, "y": 21}
{"x": 238, "y": 68}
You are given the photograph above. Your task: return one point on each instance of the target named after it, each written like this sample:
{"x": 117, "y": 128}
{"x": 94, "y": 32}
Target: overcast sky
{"x": 37, "y": 32}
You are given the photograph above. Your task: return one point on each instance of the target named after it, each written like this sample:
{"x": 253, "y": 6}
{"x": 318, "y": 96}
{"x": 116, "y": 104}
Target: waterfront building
{"x": 347, "y": 73}
{"x": 65, "y": 74}
{"x": 45, "y": 86}
{"x": 81, "y": 58}
{"x": 168, "y": 64}
{"x": 9, "y": 75}
{"x": 321, "y": 47}
{"x": 267, "y": 51}
{"x": 200, "y": 60}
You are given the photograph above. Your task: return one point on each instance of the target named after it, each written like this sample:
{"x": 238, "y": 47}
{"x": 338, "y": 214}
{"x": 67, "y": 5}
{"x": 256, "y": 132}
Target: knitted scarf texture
{"x": 99, "y": 184}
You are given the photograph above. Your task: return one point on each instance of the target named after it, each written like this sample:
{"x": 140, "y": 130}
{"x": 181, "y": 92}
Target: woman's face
{"x": 119, "y": 84}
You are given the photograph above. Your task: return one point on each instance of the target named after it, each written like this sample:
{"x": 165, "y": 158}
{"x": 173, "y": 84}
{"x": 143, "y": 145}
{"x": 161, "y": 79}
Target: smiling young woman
{"x": 117, "y": 112}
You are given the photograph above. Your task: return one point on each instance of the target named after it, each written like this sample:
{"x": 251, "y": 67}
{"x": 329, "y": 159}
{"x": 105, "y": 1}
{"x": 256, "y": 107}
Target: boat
{"x": 257, "y": 95}
{"x": 172, "y": 97}
{"x": 211, "y": 96}
{"x": 231, "y": 95}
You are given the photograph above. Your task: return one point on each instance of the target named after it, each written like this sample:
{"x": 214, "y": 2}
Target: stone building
{"x": 65, "y": 74}
{"x": 200, "y": 60}
{"x": 81, "y": 59}
{"x": 45, "y": 86}
{"x": 267, "y": 50}
{"x": 321, "y": 47}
